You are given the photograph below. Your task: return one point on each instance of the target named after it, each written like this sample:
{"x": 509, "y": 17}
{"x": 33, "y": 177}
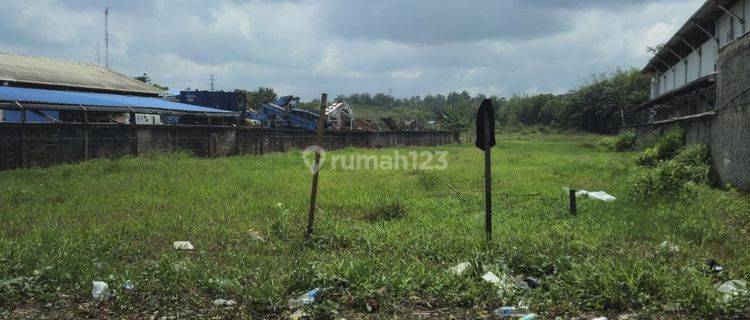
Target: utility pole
{"x": 212, "y": 82}
{"x": 98, "y": 55}
{"x": 106, "y": 37}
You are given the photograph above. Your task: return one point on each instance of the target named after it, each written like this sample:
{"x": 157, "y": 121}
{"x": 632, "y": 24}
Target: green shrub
{"x": 625, "y": 141}
{"x": 608, "y": 142}
{"x": 665, "y": 148}
{"x": 670, "y": 143}
{"x": 690, "y": 165}
{"x": 620, "y": 143}
{"x": 694, "y": 155}
{"x": 647, "y": 158}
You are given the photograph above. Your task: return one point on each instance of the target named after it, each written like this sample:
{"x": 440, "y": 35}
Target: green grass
{"x": 115, "y": 220}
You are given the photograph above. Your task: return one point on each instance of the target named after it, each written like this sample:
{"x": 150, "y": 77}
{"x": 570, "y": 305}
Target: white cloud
{"x": 304, "y": 47}
{"x": 406, "y": 74}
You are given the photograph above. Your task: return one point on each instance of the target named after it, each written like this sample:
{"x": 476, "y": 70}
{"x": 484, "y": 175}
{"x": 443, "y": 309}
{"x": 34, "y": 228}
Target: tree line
{"x": 594, "y": 106}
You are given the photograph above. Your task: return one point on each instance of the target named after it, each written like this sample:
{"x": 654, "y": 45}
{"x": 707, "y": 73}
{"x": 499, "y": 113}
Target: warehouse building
{"x": 36, "y": 89}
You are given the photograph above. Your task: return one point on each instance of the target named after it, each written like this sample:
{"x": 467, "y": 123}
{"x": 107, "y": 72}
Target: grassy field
{"x": 381, "y": 235}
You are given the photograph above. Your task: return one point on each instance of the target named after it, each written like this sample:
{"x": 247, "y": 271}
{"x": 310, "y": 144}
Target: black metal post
{"x": 487, "y": 183}
{"x": 572, "y": 200}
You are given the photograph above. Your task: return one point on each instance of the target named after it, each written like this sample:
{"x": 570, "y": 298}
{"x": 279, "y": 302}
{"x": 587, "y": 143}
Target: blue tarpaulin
{"x": 74, "y": 98}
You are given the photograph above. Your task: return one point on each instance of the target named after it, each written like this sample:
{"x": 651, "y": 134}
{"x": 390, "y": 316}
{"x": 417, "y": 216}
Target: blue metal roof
{"x": 58, "y": 97}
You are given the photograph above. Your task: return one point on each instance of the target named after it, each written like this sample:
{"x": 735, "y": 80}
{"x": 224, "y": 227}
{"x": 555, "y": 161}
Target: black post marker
{"x": 485, "y": 141}
{"x": 572, "y": 197}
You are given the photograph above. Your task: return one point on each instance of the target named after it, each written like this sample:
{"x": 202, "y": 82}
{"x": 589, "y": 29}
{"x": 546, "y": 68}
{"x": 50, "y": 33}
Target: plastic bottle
{"x": 511, "y": 312}
{"x": 307, "y": 298}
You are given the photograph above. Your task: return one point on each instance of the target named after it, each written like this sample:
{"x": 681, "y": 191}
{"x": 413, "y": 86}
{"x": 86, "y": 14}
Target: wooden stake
{"x": 316, "y": 166}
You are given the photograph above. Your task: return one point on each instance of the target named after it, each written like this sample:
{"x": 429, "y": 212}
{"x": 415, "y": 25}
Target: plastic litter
{"x": 600, "y": 318}
{"x": 226, "y": 303}
{"x": 597, "y": 195}
{"x": 100, "y": 290}
{"x": 306, "y": 298}
{"x": 491, "y": 278}
{"x": 128, "y": 285}
{"x": 512, "y": 312}
{"x": 183, "y": 245}
{"x": 522, "y": 285}
{"x": 532, "y": 282}
{"x": 530, "y": 316}
{"x": 460, "y": 268}
{"x": 714, "y": 267}
{"x": 731, "y": 289}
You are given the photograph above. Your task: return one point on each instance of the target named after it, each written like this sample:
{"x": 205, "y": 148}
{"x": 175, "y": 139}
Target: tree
{"x": 259, "y": 97}
{"x": 596, "y": 106}
{"x": 455, "y": 119}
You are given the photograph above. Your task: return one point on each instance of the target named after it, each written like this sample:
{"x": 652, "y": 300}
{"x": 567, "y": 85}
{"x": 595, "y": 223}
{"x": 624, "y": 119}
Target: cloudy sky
{"x": 305, "y": 47}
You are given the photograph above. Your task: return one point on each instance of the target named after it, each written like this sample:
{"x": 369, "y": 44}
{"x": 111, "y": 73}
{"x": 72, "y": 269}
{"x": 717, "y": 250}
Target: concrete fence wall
{"x": 26, "y": 145}
{"x": 730, "y": 138}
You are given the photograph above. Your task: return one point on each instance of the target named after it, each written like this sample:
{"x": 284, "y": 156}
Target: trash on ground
{"x": 100, "y": 290}
{"x": 503, "y": 282}
{"x": 372, "y": 305}
{"x": 183, "y": 245}
{"x": 597, "y": 195}
{"x": 226, "y": 303}
{"x": 255, "y": 234}
{"x": 532, "y": 282}
{"x": 530, "y": 316}
{"x": 714, "y": 267}
{"x": 299, "y": 314}
{"x": 306, "y": 298}
{"x": 732, "y": 289}
{"x": 522, "y": 285}
{"x": 512, "y": 312}
{"x": 460, "y": 268}
{"x": 491, "y": 278}
{"x": 600, "y": 318}
{"x": 668, "y": 246}
{"x": 128, "y": 285}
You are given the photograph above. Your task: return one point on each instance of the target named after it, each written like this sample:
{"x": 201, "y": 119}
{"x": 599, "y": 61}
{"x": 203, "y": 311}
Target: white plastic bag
{"x": 460, "y": 268}
{"x": 100, "y": 290}
{"x": 598, "y": 195}
{"x": 183, "y": 245}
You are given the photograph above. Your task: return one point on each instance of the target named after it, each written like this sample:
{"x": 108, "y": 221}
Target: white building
{"x": 690, "y": 55}
{"x": 684, "y": 69}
